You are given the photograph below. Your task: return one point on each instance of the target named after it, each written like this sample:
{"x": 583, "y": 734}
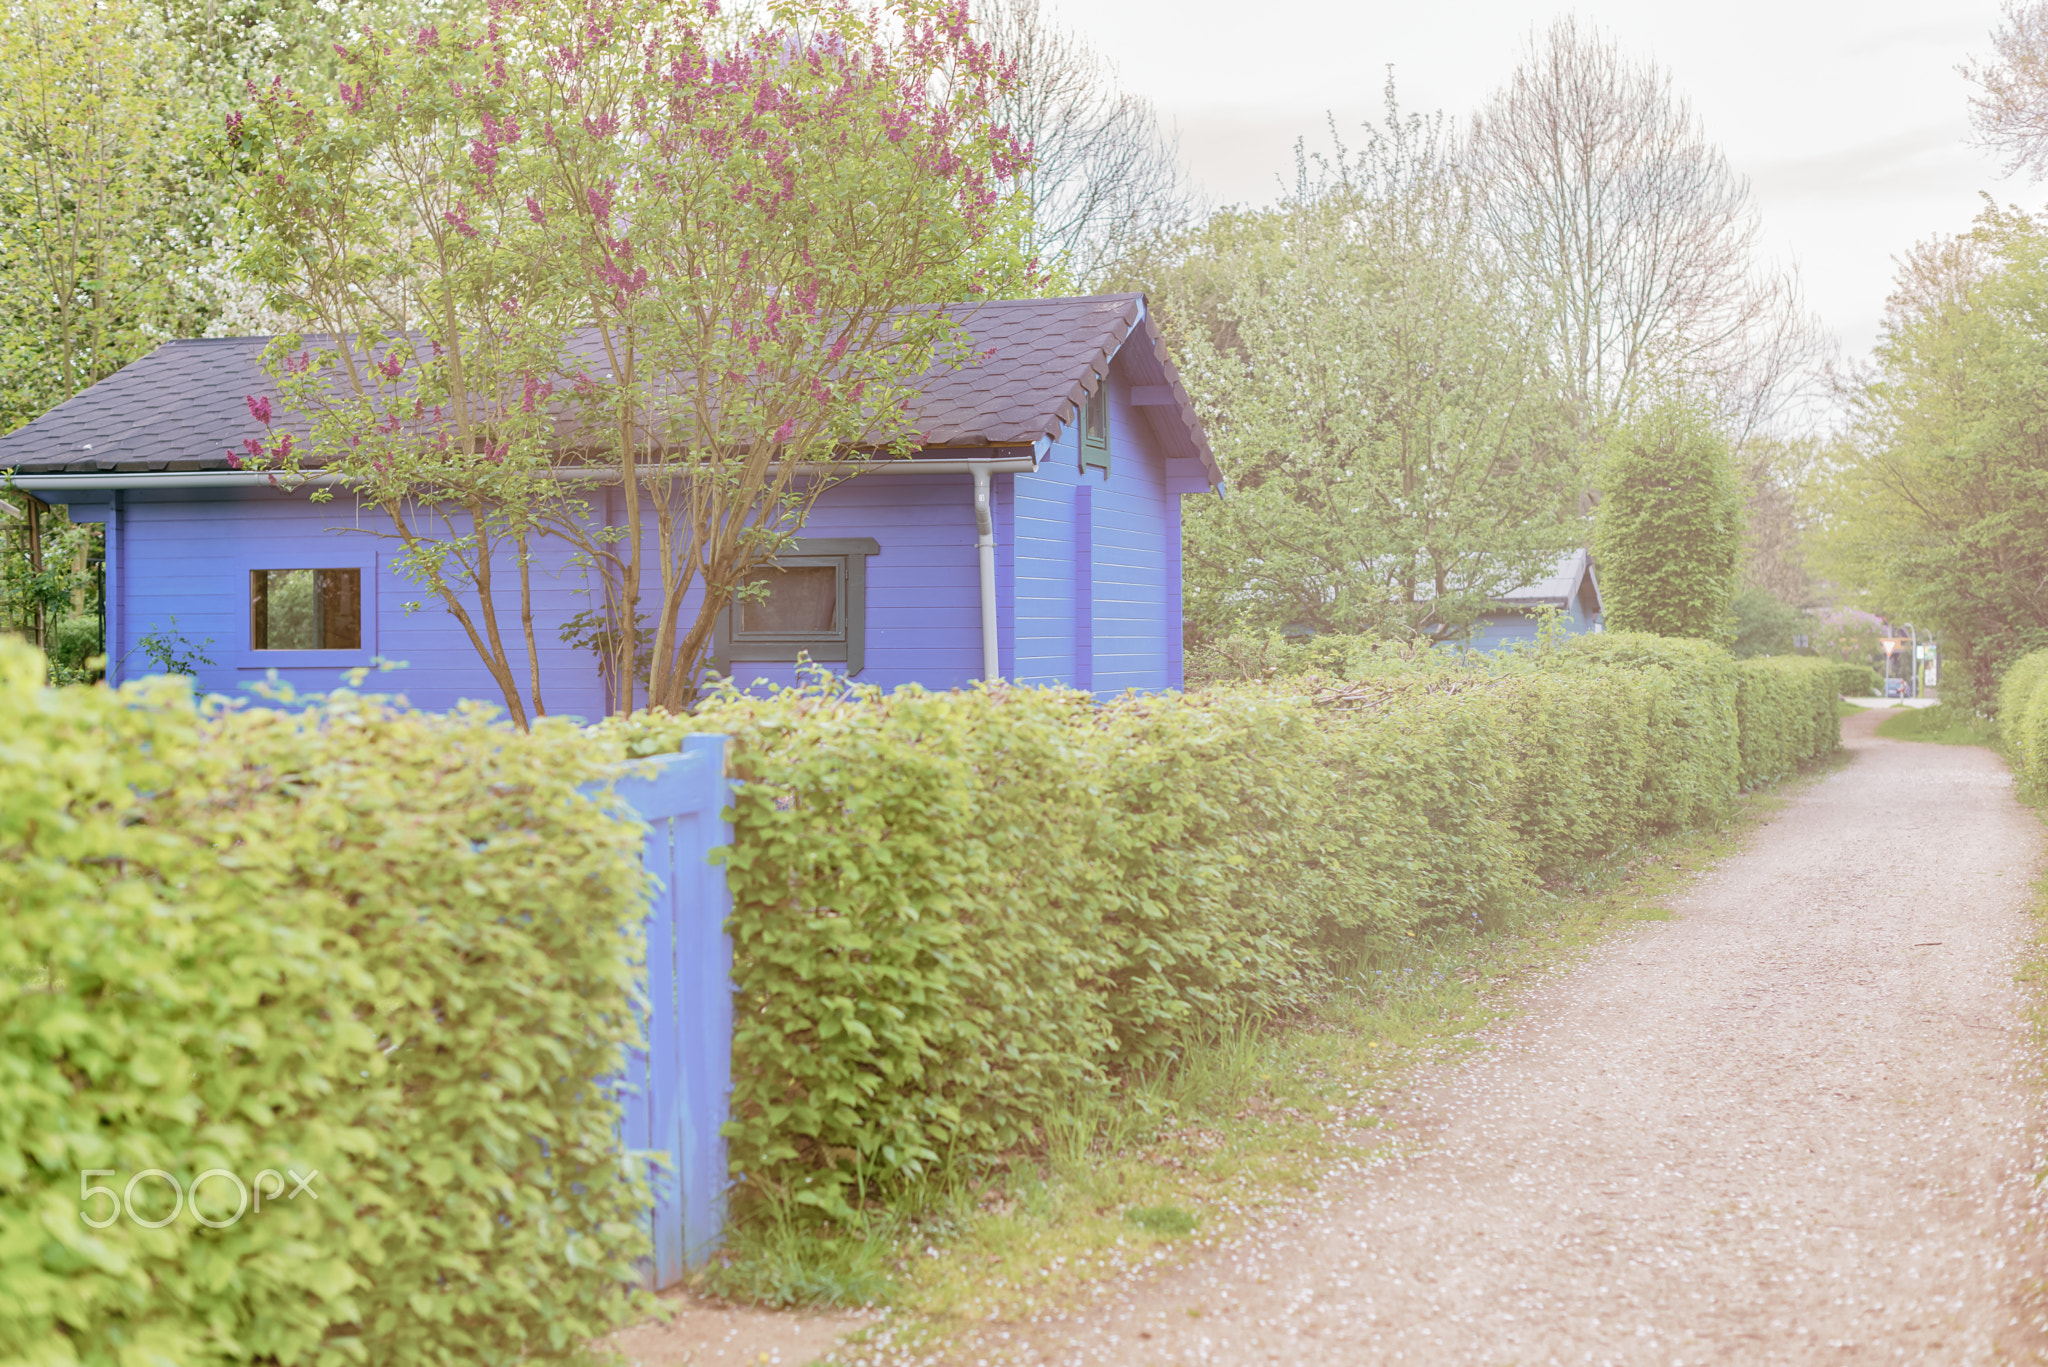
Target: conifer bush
{"x": 1668, "y": 531}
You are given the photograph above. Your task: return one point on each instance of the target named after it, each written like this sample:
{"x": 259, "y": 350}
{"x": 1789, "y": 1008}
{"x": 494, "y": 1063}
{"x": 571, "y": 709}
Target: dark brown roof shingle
{"x": 185, "y": 405}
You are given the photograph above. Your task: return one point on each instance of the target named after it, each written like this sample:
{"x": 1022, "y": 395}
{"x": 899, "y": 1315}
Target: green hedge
{"x": 398, "y": 948}
{"x": 954, "y": 912}
{"x": 1787, "y": 705}
{"x": 1857, "y": 680}
{"x": 388, "y": 947}
{"x": 2023, "y": 721}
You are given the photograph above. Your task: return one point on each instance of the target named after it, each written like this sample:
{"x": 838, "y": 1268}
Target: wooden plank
{"x": 664, "y": 1047}
{"x": 684, "y": 1077}
{"x": 1083, "y": 644}
{"x": 704, "y": 996}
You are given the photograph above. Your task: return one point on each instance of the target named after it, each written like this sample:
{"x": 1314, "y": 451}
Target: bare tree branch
{"x": 1104, "y": 177}
{"x": 1634, "y": 238}
{"x": 2011, "y": 112}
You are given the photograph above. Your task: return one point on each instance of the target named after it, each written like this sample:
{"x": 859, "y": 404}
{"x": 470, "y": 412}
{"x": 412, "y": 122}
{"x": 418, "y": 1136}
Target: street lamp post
{"x": 1913, "y": 690}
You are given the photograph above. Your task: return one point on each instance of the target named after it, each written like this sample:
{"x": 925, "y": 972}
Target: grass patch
{"x": 1938, "y": 724}
{"x": 1171, "y": 1221}
{"x": 1241, "y": 1124}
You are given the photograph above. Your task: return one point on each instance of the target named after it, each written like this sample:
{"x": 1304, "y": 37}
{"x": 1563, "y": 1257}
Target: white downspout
{"x": 985, "y": 546}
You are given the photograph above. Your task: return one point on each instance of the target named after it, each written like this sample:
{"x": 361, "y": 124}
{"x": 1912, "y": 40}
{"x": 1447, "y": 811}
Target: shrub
{"x": 1261, "y": 659}
{"x": 1582, "y": 760}
{"x": 1668, "y": 529}
{"x": 401, "y": 949}
{"x": 1692, "y": 742}
{"x": 2023, "y": 721}
{"x": 1787, "y": 708}
{"x": 1856, "y": 680}
{"x": 390, "y": 947}
{"x": 144, "y": 1028}
{"x": 955, "y": 912}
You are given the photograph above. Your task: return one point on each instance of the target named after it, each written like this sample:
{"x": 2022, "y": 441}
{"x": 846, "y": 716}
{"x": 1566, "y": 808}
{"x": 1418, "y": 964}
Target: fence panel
{"x": 679, "y": 1088}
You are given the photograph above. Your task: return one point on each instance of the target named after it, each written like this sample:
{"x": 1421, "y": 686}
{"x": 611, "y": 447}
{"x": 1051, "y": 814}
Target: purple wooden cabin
{"x": 1035, "y": 537}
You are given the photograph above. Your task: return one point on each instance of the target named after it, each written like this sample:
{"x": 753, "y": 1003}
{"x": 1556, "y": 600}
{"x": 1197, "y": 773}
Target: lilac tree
{"x": 637, "y": 276}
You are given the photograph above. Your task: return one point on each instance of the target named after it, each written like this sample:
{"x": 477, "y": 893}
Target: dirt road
{"x": 1796, "y": 1124}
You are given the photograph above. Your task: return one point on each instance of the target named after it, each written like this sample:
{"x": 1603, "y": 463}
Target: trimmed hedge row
{"x": 397, "y": 948}
{"x": 956, "y": 912}
{"x": 2023, "y": 721}
{"x": 1787, "y": 705}
{"x": 1857, "y": 680}
{"x": 381, "y": 946}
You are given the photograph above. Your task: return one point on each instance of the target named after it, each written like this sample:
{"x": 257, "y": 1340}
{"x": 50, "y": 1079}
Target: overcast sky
{"x": 1849, "y": 119}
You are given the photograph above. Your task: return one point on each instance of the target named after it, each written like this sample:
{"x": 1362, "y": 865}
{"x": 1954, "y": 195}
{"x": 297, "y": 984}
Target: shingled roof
{"x": 1560, "y": 586}
{"x": 184, "y": 406}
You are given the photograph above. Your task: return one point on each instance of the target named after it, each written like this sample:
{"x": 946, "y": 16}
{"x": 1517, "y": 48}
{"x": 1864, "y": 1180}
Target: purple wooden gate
{"x": 679, "y": 1088}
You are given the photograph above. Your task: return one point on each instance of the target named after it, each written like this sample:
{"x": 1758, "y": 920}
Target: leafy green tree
{"x": 1396, "y": 459}
{"x": 1668, "y": 531}
{"x": 105, "y": 214}
{"x": 682, "y": 251}
{"x": 49, "y": 585}
{"x": 1765, "y": 625}
{"x": 1940, "y": 504}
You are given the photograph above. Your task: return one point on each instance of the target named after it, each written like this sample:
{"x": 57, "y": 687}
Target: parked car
{"x": 1896, "y": 688}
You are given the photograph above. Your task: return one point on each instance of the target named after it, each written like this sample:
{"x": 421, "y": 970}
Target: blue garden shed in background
{"x": 1035, "y": 535}
{"x": 1572, "y": 590}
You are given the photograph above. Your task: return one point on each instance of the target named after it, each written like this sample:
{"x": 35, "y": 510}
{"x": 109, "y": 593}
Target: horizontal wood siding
{"x": 187, "y": 553}
{"x": 1131, "y": 567}
{"x": 924, "y": 587}
{"x": 1132, "y": 514}
{"x": 1044, "y": 576}
{"x": 184, "y": 554}
{"x": 1502, "y": 630}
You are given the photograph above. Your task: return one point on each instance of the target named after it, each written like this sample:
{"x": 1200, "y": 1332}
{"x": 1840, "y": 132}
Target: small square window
{"x": 1095, "y": 429}
{"x": 790, "y": 599}
{"x": 306, "y": 609}
{"x": 812, "y": 601}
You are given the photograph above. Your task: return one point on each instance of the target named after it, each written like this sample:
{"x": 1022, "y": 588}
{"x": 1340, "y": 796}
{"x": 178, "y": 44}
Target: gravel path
{"x": 1794, "y": 1125}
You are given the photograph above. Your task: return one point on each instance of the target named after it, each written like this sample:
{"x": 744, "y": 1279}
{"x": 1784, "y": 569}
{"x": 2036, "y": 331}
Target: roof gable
{"x": 1572, "y": 575}
{"x": 1040, "y": 359}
